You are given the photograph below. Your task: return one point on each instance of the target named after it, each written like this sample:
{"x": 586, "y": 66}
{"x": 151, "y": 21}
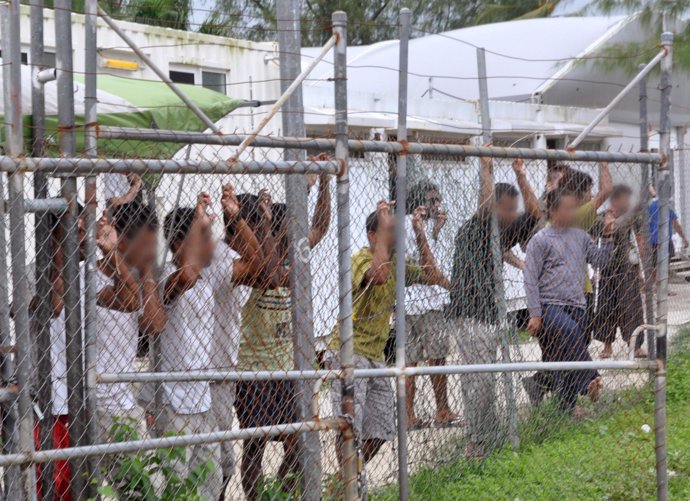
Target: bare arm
{"x": 124, "y": 294}
{"x": 187, "y": 256}
{"x": 432, "y": 275}
{"x": 534, "y": 264}
{"x": 134, "y": 188}
{"x": 529, "y": 198}
{"x": 605, "y": 185}
{"x": 322, "y": 212}
{"x": 154, "y": 317}
{"x": 510, "y": 258}
{"x": 379, "y": 270}
{"x": 679, "y": 229}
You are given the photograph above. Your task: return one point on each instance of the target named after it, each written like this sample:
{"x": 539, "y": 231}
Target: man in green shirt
{"x": 373, "y": 301}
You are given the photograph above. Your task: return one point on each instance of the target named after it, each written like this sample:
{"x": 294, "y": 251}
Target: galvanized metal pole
{"x": 400, "y": 251}
{"x": 349, "y": 450}
{"x": 90, "y": 190}
{"x": 497, "y": 254}
{"x": 664, "y": 232}
{"x": 42, "y": 314}
{"x": 18, "y": 427}
{"x": 71, "y": 246}
{"x": 646, "y": 258}
{"x": 289, "y": 42}
{"x": 644, "y": 71}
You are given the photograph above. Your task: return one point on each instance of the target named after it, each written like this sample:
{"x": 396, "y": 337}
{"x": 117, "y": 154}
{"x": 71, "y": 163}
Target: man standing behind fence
{"x": 373, "y": 297}
{"x": 197, "y": 271}
{"x": 129, "y": 247}
{"x": 473, "y": 310}
{"x": 427, "y": 333}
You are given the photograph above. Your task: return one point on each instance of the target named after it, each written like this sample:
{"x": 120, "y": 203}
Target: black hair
{"x": 130, "y": 218}
{"x": 54, "y": 219}
{"x": 577, "y": 182}
{"x": 249, "y": 211}
{"x": 177, "y": 224}
{"x": 505, "y": 190}
{"x": 279, "y": 217}
{"x": 621, "y": 190}
{"x": 372, "y": 223}
{"x": 554, "y": 197}
{"x": 417, "y": 195}
{"x": 559, "y": 167}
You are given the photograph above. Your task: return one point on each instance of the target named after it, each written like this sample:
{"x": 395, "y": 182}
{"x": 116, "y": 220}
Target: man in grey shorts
{"x": 427, "y": 333}
{"x": 373, "y": 301}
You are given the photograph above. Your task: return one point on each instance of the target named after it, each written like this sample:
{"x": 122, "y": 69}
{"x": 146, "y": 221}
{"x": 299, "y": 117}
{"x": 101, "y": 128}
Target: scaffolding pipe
{"x": 92, "y": 166}
{"x": 393, "y": 147}
{"x": 296, "y": 84}
{"x": 134, "y": 446}
{"x": 612, "y": 104}
{"x": 224, "y": 376}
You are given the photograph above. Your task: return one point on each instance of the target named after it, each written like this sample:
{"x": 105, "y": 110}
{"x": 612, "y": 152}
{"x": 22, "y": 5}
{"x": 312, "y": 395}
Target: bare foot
{"x": 580, "y": 413}
{"x": 640, "y": 353}
{"x": 473, "y": 451}
{"x": 413, "y": 422}
{"x": 594, "y": 389}
{"x": 607, "y": 351}
{"x": 445, "y": 416}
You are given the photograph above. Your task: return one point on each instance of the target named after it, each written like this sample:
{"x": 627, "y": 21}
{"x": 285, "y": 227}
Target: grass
{"x": 608, "y": 457}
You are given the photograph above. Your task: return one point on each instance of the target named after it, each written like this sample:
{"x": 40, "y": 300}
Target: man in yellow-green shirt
{"x": 373, "y": 298}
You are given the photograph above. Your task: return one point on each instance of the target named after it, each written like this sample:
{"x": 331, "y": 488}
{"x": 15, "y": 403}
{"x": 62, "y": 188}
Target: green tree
{"x": 369, "y": 21}
{"x": 507, "y": 10}
{"x": 654, "y": 16}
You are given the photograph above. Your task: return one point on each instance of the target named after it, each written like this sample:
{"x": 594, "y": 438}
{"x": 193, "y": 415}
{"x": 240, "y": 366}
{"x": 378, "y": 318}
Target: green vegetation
{"x": 607, "y": 457}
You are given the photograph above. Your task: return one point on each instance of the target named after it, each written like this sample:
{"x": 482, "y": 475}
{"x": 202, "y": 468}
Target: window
{"x": 25, "y": 57}
{"x": 213, "y": 81}
{"x": 49, "y": 60}
{"x": 183, "y": 77}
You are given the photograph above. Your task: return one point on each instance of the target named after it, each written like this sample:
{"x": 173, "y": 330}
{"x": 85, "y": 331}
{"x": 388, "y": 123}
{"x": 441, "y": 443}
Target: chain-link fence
{"x": 358, "y": 323}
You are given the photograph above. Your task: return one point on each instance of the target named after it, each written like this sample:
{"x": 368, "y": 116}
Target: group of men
{"x": 227, "y": 305}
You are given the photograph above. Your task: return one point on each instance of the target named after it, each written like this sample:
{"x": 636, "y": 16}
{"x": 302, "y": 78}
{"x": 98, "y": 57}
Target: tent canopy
{"x": 127, "y": 102}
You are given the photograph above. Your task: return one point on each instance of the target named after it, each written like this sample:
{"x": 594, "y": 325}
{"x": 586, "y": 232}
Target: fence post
{"x": 664, "y": 232}
{"x": 400, "y": 251}
{"x": 497, "y": 254}
{"x": 23, "y": 484}
{"x": 90, "y": 198}
{"x": 349, "y": 452}
{"x": 289, "y": 34}
{"x": 40, "y": 325}
{"x": 70, "y": 246}
{"x": 646, "y": 257}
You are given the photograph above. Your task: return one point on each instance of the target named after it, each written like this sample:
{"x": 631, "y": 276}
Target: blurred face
{"x": 621, "y": 204}
{"x": 563, "y": 216}
{"x": 141, "y": 250}
{"x": 385, "y": 234}
{"x": 433, "y": 203}
{"x": 506, "y": 210}
{"x": 586, "y": 196}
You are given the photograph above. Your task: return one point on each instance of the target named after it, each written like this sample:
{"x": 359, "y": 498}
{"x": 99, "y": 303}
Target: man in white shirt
{"x": 427, "y": 332}
{"x": 200, "y": 333}
{"x": 128, "y": 243}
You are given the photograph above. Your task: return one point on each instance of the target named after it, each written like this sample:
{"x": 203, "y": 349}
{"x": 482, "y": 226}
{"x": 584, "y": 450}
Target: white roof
{"x": 520, "y": 55}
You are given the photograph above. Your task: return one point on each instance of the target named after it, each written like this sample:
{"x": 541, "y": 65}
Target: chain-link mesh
{"x": 192, "y": 274}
